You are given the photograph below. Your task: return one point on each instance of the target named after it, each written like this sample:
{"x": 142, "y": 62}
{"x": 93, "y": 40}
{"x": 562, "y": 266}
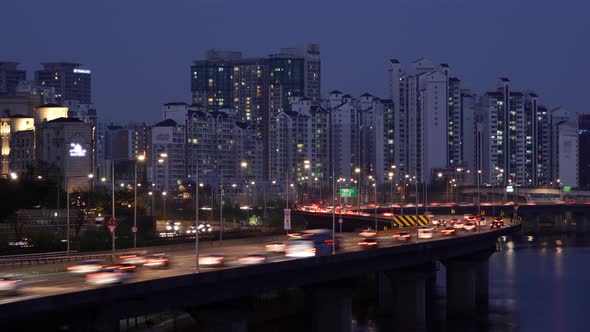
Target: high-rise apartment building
{"x": 462, "y": 130}
{"x": 10, "y": 76}
{"x": 564, "y": 148}
{"x": 584, "y": 150}
{"x": 515, "y": 137}
{"x": 70, "y": 81}
{"x": 257, "y": 89}
{"x": 422, "y": 109}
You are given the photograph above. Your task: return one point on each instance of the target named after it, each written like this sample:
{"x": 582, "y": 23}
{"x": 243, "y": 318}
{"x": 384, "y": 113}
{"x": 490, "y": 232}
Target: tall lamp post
{"x": 139, "y": 158}
{"x": 416, "y": 182}
{"x": 340, "y": 199}
{"x": 391, "y": 194}
{"x": 357, "y": 171}
{"x": 197, "y": 186}
{"x": 375, "y": 213}
{"x": 478, "y": 174}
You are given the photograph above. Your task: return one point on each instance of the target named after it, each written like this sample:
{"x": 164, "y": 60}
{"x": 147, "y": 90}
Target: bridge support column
{"x": 467, "y": 285}
{"x": 536, "y": 223}
{"x": 581, "y": 224}
{"x": 229, "y": 316}
{"x": 412, "y": 296}
{"x": 331, "y": 308}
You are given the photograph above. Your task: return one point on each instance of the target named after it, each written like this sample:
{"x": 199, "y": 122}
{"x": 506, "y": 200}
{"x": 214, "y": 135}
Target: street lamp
{"x": 375, "y": 213}
{"x": 478, "y": 195}
{"x": 416, "y": 182}
{"x": 340, "y": 199}
{"x": 13, "y": 176}
{"x": 140, "y": 158}
{"x": 391, "y": 174}
{"x": 157, "y": 161}
{"x": 357, "y": 171}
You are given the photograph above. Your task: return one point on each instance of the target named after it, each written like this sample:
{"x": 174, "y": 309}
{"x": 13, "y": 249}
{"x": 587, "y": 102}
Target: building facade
{"x": 10, "y": 76}
{"x": 70, "y": 81}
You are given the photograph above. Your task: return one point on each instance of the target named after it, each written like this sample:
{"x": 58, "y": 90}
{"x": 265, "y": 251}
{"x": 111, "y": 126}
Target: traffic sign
{"x": 516, "y": 206}
{"x": 567, "y": 189}
{"x": 340, "y": 221}
{"x": 501, "y": 213}
{"x": 482, "y": 213}
{"x": 134, "y": 229}
{"x": 112, "y": 224}
{"x": 348, "y": 192}
{"x": 509, "y": 189}
{"x": 453, "y": 211}
{"x": 287, "y": 219}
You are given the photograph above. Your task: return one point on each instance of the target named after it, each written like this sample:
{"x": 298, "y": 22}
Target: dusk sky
{"x": 140, "y": 52}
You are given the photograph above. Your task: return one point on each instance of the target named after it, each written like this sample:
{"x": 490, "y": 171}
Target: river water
{"x": 536, "y": 284}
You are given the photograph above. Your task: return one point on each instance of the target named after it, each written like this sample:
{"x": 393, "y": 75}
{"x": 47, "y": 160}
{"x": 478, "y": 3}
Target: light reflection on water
{"x": 536, "y": 284}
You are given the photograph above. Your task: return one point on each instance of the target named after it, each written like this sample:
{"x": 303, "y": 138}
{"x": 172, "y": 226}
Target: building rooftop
{"x": 65, "y": 120}
{"x": 50, "y": 105}
{"x": 166, "y": 123}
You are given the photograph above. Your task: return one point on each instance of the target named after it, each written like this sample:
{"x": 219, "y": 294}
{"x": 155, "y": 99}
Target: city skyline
{"x": 151, "y": 61}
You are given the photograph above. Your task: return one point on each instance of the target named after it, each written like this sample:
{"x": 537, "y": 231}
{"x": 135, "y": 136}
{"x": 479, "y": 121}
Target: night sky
{"x": 140, "y": 51}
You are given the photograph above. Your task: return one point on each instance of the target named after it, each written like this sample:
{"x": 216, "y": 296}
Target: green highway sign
{"x": 567, "y": 189}
{"x": 348, "y": 192}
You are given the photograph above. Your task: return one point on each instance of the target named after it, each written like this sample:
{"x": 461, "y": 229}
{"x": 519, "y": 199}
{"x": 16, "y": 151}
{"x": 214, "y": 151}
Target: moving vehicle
{"x": 322, "y": 240}
{"x": 469, "y": 226}
{"x": 499, "y": 220}
{"x": 469, "y": 217}
{"x": 425, "y": 233}
{"x": 436, "y": 222}
{"x": 9, "y": 285}
{"x": 482, "y": 222}
{"x": 85, "y": 267}
{"x": 157, "y": 261}
{"x": 368, "y": 243}
{"x": 300, "y": 248}
{"x": 497, "y": 223}
{"x": 252, "y": 259}
{"x": 212, "y": 260}
{"x": 367, "y": 233}
{"x": 458, "y": 225}
{"x": 276, "y": 247}
{"x": 125, "y": 268}
{"x": 136, "y": 258}
{"x": 402, "y": 236}
{"x": 108, "y": 277}
{"x": 448, "y": 231}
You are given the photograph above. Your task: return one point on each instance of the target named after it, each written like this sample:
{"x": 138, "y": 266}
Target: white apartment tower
{"x": 420, "y": 103}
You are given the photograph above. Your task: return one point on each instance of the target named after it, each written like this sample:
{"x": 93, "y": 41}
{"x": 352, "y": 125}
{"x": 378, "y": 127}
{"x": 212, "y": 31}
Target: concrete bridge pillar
{"x": 467, "y": 285}
{"x": 412, "y": 292}
{"x": 331, "y": 308}
{"x": 582, "y": 223}
{"x": 536, "y": 223}
{"x": 231, "y": 316}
